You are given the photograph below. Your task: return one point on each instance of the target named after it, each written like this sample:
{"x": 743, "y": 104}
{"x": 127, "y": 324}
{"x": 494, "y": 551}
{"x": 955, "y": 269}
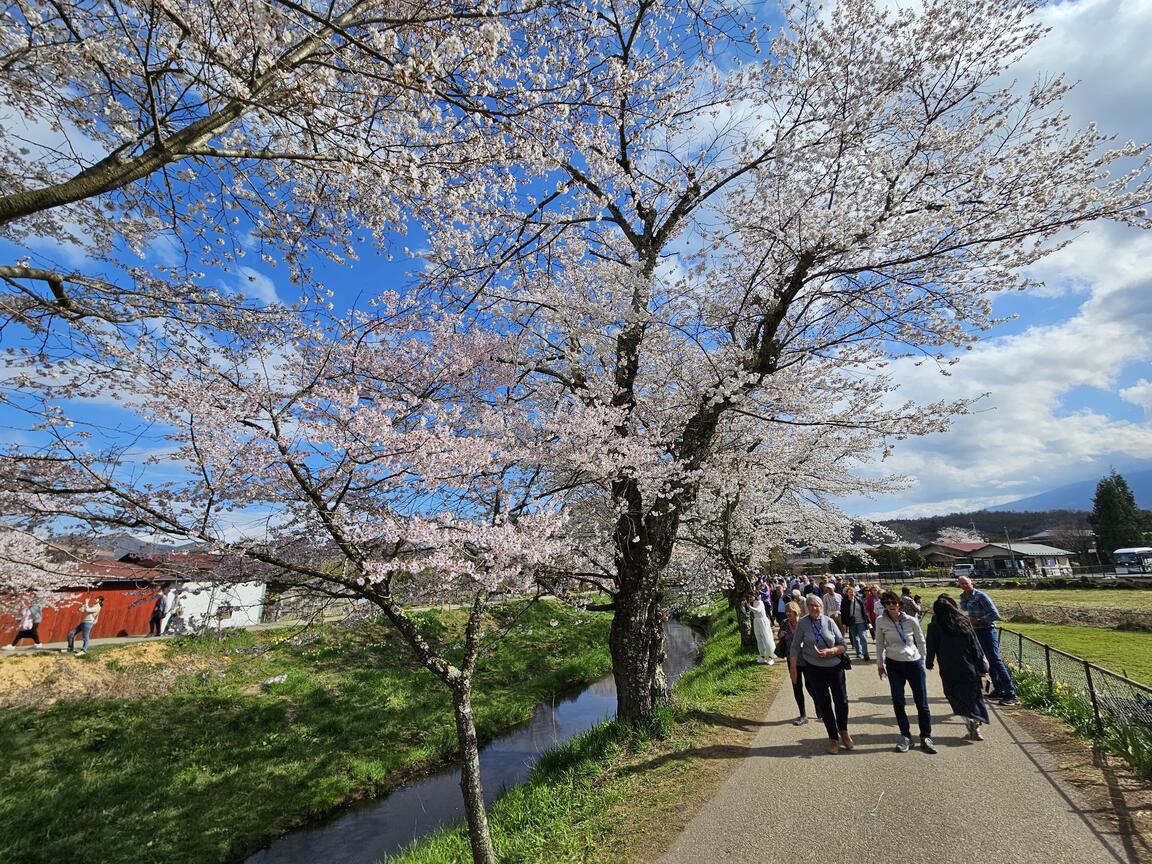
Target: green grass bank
{"x": 1124, "y": 652}
{"x": 1089, "y": 598}
{"x": 583, "y": 794}
{"x": 228, "y": 755}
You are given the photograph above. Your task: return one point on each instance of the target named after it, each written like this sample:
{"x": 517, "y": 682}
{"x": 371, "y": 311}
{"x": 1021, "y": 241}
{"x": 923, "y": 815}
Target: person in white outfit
{"x": 761, "y": 628}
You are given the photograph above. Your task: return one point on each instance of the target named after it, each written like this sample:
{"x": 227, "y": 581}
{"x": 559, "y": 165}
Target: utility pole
{"x": 1011, "y": 552}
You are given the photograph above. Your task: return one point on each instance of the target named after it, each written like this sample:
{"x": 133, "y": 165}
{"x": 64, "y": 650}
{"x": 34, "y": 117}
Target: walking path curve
{"x": 997, "y": 800}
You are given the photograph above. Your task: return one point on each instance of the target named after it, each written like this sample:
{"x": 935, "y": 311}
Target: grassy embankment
{"x": 1124, "y": 652}
{"x": 218, "y": 762}
{"x": 617, "y": 795}
{"x": 1092, "y": 598}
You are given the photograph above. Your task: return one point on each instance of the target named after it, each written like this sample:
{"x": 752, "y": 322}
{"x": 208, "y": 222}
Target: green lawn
{"x": 1093, "y": 597}
{"x": 212, "y": 769}
{"x": 1124, "y": 652}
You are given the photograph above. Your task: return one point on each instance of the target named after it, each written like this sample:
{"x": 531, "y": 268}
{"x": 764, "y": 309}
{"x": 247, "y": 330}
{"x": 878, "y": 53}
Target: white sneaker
{"x": 903, "y": 744}
{"x": 800, "y": 721}
{"x": 761, "y": 661}
{"x": 37, "y": 645}
{"x": 9, "y": 647}
{"x": 771, "y": 661}
{"x": 81, "y": 653}
{"x": 927, "y": 746}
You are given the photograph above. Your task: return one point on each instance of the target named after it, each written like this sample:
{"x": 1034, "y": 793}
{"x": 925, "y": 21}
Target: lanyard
{"x": 906, "y": 639}
{"x": 817, "y": 630}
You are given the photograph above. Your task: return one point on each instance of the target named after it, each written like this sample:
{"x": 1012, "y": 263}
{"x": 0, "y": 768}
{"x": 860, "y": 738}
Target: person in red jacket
{"x": 872, "y": 606}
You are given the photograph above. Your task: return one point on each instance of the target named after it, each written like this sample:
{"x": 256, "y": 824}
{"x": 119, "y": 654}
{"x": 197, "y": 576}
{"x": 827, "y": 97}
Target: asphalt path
{"x": 997, "y": 801}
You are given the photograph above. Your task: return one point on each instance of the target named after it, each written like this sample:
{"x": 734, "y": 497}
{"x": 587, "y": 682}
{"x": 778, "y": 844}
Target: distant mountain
{"x": 119, "y": 545}
{"x": 1078, "y": 496}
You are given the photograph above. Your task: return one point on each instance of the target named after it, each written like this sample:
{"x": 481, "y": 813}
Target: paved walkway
{"x": 996, "y": 801}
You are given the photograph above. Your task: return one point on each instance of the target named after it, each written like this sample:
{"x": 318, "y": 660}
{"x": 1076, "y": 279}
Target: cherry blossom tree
{"x": 707, "y": 226}
{"x": 959, "y": 534}
{"x": 164, "y": 142}
{"x": 33, "y": 566}
{"x": 777, "y": 492}
{"x": 376, "y": 449}
{"x": 681, "y": 228}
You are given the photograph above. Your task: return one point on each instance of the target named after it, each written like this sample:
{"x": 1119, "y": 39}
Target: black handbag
{"x": 845, "y": 661}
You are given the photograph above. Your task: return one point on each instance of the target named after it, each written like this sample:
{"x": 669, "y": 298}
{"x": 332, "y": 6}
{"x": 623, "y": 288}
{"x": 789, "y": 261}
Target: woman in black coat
{"x": 952, "y": 639}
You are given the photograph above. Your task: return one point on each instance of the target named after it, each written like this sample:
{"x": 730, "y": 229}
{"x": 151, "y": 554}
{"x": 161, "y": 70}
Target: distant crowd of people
{"x": 818, "y": 618}
{"x": 166, "y": 617}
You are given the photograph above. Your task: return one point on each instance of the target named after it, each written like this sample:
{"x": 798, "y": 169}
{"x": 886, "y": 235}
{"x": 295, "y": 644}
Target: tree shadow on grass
{"x": 806, "y": 749}
{"x": 744, "y": 724}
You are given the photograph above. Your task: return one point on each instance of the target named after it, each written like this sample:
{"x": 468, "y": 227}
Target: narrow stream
{"x": 375, "y": 829}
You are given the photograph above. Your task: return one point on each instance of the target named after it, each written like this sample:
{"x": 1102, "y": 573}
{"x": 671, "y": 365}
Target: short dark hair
{"x": 888, "y": 597}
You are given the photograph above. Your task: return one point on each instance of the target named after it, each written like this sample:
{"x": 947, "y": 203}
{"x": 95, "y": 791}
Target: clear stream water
{"x": 377, "y": 828}
{"x": 373, "y": 830}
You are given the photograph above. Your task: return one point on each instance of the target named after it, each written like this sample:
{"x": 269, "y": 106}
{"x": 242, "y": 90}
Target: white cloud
{"x": 1102, "y": 47}
{"x": 1140, "y": 394}
{"x": 1051, "y": 386}
{"x": 1024, "y": 437}
{"x": 256, "y": 286}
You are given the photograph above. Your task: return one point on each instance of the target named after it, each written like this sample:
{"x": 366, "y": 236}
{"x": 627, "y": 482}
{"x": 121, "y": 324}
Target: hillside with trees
{"x": 992, "y": 526}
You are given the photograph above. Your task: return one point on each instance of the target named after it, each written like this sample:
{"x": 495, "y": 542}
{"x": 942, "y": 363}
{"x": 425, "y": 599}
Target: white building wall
{"x": 241, "y": 604}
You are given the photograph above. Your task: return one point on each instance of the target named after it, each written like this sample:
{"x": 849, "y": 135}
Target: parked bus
{"x": 1136, "y": 559}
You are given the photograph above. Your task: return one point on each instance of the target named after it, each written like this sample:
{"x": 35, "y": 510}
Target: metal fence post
{"x": 1048, "y": 664}
{"x": 1092, "y": 694}
{"x": 1020, "y": 648}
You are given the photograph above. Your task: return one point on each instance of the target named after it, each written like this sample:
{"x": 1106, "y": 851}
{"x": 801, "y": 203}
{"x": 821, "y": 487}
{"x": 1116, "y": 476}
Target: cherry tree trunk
{"x": 637, "y": 645}
{"x": 743, "y": 621}
{"x": 470, "y": 784}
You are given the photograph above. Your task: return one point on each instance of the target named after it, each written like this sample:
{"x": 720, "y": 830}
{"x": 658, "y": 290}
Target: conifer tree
{"x": 1115, "y": 517}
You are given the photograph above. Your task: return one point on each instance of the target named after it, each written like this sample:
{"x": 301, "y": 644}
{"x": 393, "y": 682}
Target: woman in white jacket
{"x": 761, "y": 628}
{"x": 900, "y": 654}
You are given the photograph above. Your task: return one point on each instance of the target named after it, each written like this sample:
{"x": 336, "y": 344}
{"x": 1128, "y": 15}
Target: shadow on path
{"x": 1105, "y": 837}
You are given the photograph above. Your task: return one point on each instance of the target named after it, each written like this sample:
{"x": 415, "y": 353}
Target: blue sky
{"x": 1069, "y": 382}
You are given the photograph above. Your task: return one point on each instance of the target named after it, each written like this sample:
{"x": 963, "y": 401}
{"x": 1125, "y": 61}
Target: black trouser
{"x": 830, "y": 696}
{"x": 32, "y": 634}
{"x": 798, "y": 690}
{"x": 154, "y": 625}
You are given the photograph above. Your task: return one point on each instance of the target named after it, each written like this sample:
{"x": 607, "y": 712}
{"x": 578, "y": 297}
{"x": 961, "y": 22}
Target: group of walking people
{"x": 961, "y": 638}
{"x": 167, "y": 616}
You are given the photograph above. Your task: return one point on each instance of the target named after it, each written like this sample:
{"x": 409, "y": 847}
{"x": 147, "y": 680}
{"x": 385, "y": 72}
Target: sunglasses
{"x": 892, "y": 603}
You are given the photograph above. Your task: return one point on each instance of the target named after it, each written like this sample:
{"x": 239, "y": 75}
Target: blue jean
{"x": 858, "y": 633}
{"x": 1002, "y": 683}
{"x": 901, "y": 672}
{"x": 85, "y": 629}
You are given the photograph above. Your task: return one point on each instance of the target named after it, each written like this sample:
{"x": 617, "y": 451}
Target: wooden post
{"x": 1092, "y": 695}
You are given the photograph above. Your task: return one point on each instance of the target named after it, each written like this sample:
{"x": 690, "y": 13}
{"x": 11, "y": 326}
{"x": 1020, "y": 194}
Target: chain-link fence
{"x": 1113, "y": 699}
